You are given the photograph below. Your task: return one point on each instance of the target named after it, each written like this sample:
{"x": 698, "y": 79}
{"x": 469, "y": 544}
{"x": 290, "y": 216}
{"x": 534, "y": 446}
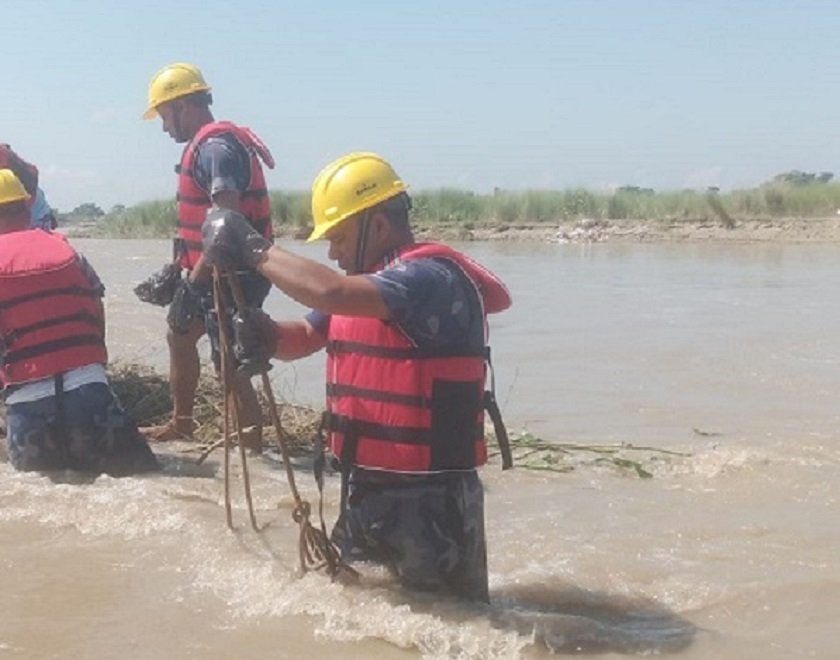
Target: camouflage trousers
{"x": 92, "y": 434}
{"x": 429, "y": 529}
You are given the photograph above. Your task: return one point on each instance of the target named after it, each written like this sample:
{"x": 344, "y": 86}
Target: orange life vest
{"x": 50, "y": 314}
{"x": 398, "y": 407}
{"x": 193, "y": 201}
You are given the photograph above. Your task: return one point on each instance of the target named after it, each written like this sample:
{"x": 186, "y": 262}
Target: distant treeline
{"x": 792, "y": 194}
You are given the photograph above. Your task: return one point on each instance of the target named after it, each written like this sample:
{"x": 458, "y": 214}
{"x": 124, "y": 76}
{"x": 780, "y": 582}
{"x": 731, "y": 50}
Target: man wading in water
{"x": 60, "y": 410}
{"x": 404, "y": 331}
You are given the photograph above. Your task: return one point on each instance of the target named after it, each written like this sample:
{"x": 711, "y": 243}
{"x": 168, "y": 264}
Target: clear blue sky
{"x": 465, "y": 93}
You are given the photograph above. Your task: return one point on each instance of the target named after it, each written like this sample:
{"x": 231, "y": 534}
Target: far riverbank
{"x": 585, "y": 230}
{"x": 786, "y": 230}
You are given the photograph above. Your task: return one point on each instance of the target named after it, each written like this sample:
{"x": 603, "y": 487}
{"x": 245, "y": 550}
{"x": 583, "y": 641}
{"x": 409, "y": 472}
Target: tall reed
{"x": 501, "y": 208}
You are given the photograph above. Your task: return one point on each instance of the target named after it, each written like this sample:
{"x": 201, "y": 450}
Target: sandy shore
{"x": 782, "y": 230}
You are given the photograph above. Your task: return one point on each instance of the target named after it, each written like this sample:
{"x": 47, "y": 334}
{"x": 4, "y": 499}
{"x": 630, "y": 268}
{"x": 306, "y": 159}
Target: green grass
{"x": 145, "y": 220}
{"x": 465, "y": 210}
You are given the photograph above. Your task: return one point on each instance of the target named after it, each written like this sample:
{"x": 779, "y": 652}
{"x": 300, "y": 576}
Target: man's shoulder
{"x": 222, "y": 156}
{"x": 425, "y": 271}
{"x": 224, "y": 142}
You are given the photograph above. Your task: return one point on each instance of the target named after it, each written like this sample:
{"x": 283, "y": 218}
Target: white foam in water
{"x": 260, "y": 588}
{"x": 583, "y": 595}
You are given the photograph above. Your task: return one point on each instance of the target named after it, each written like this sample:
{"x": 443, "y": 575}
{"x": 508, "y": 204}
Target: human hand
{"x": 159, "y": 288}
{"x": 230, "y": 241}
{"x": 255, "y": 338}
{"x": 184, "y": 308}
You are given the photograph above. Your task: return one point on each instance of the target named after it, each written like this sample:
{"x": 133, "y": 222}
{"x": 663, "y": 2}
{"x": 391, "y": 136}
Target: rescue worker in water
{"x": 405, "y": 334}
{"x": 222, "y": 166}
{"x": 61, "y": 411}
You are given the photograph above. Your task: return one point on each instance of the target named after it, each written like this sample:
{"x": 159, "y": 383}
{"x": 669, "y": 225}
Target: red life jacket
{"x": 193, "y": 201}
{"x": 50, "y": 315}
{"x": 397, "y": 407}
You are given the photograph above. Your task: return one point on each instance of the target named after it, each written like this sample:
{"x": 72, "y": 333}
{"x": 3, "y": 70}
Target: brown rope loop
{"x": 315, "y": 548}
{"x": 301, "y": 512}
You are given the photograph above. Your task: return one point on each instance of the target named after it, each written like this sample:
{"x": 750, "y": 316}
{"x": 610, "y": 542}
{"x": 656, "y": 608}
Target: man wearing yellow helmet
{"x": 60, "y": 410}
{"x": 221, "y": 166}
{"x": 404, "y": 331}
{"x": 40, "y": 213}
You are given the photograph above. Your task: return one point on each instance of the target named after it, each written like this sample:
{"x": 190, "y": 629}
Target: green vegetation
{"x": 791, "y": 194}
{"x": 145, "y": 394}
{"x": 156, "y": 219}
{"x": 145, "y": 220}
{"x": 533, "y": 453}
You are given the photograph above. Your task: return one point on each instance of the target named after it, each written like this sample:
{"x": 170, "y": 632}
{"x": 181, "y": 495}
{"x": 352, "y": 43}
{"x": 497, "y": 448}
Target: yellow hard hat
{"x": 172, "y": 81}
{"x": 351, "y": 184}
{"x": 11, "y": 189}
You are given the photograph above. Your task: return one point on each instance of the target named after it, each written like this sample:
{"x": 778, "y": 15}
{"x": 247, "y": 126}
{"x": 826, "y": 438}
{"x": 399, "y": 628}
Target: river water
{"x": 723, "y": 359}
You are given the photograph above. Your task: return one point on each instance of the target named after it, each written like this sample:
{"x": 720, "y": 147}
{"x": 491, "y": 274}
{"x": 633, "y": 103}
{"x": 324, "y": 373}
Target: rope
{"x": 316, "y": 550}
{"x": 231, "y": 396}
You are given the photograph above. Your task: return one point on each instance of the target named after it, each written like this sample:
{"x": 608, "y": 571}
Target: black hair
{"x": 202, "y": 99}
{"x": 11, "y": 209}
{"x": 397, "y": 210}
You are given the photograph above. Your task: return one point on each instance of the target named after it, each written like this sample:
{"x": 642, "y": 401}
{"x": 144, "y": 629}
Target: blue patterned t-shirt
{"x": 430, "y": 299}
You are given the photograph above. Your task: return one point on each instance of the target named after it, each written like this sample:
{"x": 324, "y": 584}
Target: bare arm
{"x": 229, "y": 239}
{"x": 298, "y": 339}
{"x": 320, "y": 287}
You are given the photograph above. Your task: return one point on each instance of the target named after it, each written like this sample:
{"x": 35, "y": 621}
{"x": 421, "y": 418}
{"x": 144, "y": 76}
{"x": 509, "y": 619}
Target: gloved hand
{"x": 159, "y": 288}
{"x": 230, "y": 241}
{"x": 255, "y": 338}
{"x": 185, "y": 306}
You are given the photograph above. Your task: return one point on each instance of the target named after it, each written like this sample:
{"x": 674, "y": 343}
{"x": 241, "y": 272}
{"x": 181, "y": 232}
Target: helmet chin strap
{"x": 176, "y": 120}
{"x": 361, "y": 242}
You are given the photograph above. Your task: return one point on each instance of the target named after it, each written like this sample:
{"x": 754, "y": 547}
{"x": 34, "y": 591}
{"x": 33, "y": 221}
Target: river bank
{"x": 787, "y": 230}
{"x": 588, "y": 230}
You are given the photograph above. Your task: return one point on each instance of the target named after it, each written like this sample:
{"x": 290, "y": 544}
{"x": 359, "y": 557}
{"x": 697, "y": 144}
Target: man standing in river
{"x": 221, "y": 166}
{"x": 61, "y": 412}
{"x": 405, "y": 334}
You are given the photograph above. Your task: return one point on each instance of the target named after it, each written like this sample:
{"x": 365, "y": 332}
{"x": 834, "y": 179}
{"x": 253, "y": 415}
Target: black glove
{"x": 255, "y": 338}
{"x": 230, "y": 241}
{"x": 159, "y": 288}
{"x": 185, "y": 306}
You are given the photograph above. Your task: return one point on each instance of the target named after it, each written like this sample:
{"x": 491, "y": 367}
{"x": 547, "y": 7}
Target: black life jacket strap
{"x": 319, "y": 467}
{"x": 84, "y": 316}
{"x": 335, "y": 390}
{"x": 407, "y": 353}
{"x": 492, "y": 408}
{"x": 72, "y": 290}
{"x": 348, "y": 458}
{"x": 51, "y": 347}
